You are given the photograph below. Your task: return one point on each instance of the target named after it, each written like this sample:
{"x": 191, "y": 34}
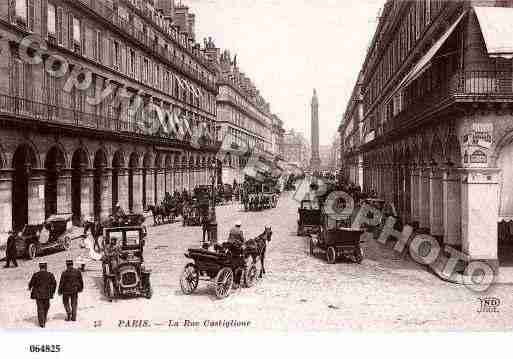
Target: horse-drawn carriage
{"x": 336, "y": 240}
{"x": 224, "y": 267}
{"x": 124, "y": 272}
{"x": 167, "y": 211}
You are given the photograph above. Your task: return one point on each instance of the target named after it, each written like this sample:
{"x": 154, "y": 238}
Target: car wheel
{"x": 312, "y": 247}
{"x": 331, "y": 255}
{"x": 66, "y": 243}
{"x": 31, "y": 251}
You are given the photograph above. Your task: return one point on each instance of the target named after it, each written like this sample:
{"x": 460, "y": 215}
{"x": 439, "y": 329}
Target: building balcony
{"x": 462, "y": 87}
{"x": 116, "y": 123}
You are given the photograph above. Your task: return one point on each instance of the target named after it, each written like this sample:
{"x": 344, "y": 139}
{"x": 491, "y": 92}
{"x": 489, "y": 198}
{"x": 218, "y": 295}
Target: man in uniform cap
{"x": 42, "y": 286}
{"x": 70, "y": 285}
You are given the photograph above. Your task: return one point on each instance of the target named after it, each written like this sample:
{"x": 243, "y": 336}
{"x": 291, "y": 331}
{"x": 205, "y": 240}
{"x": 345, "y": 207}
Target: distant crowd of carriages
{"x": 257, "y": 196}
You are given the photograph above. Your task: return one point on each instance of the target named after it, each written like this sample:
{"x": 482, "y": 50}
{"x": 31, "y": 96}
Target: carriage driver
{"x": 236, "y": 235}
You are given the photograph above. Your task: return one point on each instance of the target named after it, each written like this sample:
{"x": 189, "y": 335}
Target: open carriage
{"x": 223, "y": 267}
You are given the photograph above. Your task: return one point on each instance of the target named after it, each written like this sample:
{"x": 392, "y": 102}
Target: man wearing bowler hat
{"x": 42, "y": 286}
{"x": 70, "y": 285}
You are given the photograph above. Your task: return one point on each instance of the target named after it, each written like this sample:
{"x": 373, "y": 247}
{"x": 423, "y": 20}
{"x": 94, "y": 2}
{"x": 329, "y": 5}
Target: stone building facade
{"x": 350, "y": 135}
{"x": 437, "y": 122}
{"x": 244, "y": 117}
{"x": 296, "y": 149}
{"x": 62, "y": 150}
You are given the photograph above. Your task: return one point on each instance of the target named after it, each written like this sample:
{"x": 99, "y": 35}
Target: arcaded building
{"x": 437, "y": 124}
{"x": 71, "y": 139}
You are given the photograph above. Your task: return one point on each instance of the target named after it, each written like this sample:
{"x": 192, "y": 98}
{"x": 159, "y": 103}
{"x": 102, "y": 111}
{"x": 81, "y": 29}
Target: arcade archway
{"x": 100, "y": 163}
{"x": 54, "y": 163}
{"x": 23, "y": 162}
{"x": 78, "y": 165}
{"x": 133, "y": 164}
{"x": 117, "y": 165}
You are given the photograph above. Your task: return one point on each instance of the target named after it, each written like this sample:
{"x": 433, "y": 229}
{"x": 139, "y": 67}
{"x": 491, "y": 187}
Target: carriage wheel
{"x": 66, "y": 243}
{"x": 358, "y": 255}
{"x": 189, "y": 279}
{"x": 312, "y": 247}
{"x": 224, "y": 282}
{"x": 331, "y": 255}
{"x": 250, "y": 276}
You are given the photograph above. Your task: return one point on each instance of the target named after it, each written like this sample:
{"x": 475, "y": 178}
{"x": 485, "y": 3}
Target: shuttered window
{"x": 59, "y": 26}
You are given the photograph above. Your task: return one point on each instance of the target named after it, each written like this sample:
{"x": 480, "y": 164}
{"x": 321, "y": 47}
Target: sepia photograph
{"x": 243, "y": 166}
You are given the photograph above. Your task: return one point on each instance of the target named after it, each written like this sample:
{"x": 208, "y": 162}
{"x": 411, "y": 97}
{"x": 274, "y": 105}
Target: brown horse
{"x": 256, "y": 247}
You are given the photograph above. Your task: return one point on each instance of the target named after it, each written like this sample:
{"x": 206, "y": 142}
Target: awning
{"x": 425, "y": 62}
{"x": 497, "y": 28}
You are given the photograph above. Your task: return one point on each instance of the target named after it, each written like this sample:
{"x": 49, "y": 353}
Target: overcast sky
{"x": 289, "y": 47}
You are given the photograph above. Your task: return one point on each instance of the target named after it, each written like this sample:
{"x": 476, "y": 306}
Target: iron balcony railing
{"x": 479, "y": 86}
{"x": 126, "y": 122}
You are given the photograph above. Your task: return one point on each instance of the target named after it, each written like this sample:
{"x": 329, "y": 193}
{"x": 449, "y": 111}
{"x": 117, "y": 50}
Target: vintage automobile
{"x": 309, "y": 218}
{"x": 57, "y": 233}
{"x": 336, "y": 241}
{"x": 222, "y": 267}
{"x": 124, "y": 272}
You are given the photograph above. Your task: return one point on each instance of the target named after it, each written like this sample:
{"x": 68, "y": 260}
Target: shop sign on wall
{"x": 477, "y": 143}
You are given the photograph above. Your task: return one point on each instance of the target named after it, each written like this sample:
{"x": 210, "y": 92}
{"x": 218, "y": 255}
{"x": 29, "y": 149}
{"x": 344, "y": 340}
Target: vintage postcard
{"x": 236, "y": 165}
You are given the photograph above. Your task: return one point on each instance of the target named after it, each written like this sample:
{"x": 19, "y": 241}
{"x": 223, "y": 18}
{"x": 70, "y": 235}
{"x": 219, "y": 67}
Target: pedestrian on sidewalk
{"x": 10, "y": 251}
{"x": 42, "y": 286}
{"x": 70, "y": 285}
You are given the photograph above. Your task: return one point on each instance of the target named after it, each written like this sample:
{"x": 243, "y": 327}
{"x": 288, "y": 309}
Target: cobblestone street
{"x": 299, "y": 292}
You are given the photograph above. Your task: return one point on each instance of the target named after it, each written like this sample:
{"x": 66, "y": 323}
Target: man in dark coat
{"x": 10, "y": 251}
{"x": 70, "y": 285}
{"x": 96, "y": 232}
{"x": 236, "y": 236}
{"x": 42, "y": 286}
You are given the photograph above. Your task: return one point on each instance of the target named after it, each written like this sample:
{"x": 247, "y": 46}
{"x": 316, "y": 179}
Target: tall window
{"x": 22, "y": 13}
{"x": 146, "y": 70}
{"x": 116, "y": 54}
{"x": 132, "y": 62}
{"x": 51, "y": 21}
{"x": 21, "y": 10}
{"x": 59, "y": 25}
{"x": 99, "y": 42}
{"x": 76, "y": 30}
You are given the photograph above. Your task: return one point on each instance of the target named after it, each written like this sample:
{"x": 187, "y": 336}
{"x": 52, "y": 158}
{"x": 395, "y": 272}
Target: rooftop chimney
{"x": 191, "y": 25}
{"x": 181, "y": 17}
{"x": 167, "y": 7}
